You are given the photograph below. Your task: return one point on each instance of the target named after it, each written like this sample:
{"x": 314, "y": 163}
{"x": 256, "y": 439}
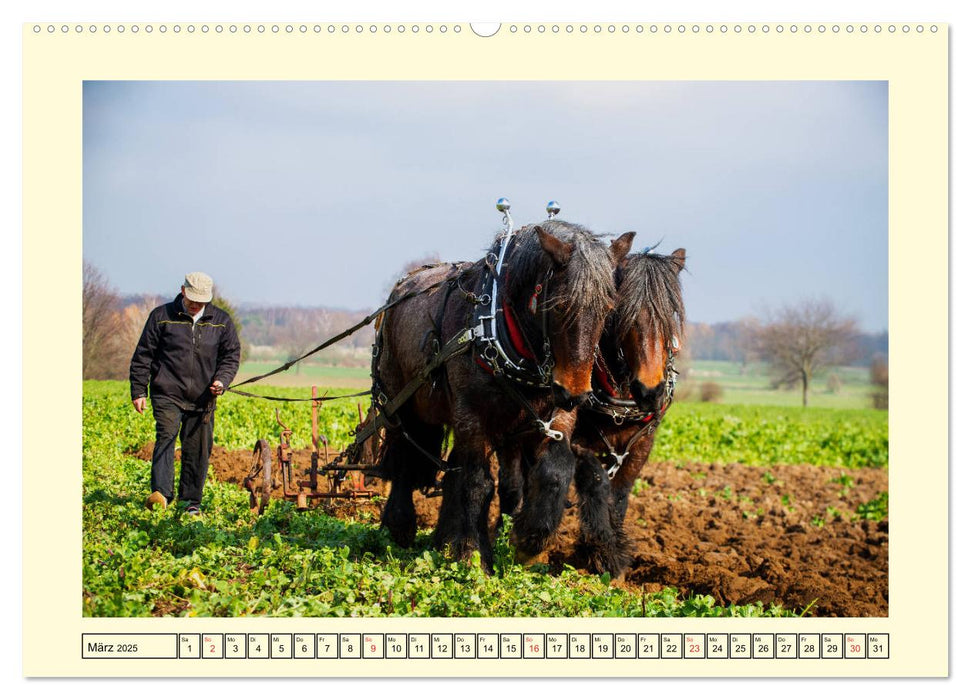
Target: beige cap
{"x": 198, "y": 287}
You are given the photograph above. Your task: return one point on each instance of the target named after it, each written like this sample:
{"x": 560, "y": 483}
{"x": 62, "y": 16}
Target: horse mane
{"x": 651, "y": 281}
{"x": 588, "y": 281}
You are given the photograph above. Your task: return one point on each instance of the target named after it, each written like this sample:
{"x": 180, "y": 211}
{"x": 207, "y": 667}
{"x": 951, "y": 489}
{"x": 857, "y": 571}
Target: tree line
{"x": 798, "y": 341}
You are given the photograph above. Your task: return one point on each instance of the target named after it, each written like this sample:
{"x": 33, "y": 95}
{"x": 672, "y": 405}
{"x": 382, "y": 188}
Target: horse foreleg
{"x": 399, "y": 510}
{"x": 409, "y": 468}
{"x": 544, "y": 499}
{"x": 603, "y": 544}
{"x": 510, "y": 480}
{"x": 467, "y": 491}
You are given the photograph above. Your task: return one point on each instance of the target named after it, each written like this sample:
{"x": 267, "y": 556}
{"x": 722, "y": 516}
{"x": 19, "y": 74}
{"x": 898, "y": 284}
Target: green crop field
{"x": 289, "y": 563}
{"x": 767, "y": 435}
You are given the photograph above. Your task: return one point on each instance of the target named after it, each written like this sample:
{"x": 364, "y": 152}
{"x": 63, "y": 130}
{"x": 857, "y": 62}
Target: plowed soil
{"x": 741, "y": 534}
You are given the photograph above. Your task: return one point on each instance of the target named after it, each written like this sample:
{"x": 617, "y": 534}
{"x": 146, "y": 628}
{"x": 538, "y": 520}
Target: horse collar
{"x": 500, "y": 341}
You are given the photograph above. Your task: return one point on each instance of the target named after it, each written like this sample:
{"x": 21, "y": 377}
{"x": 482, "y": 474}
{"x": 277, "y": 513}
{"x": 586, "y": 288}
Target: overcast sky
{"x": 318, "y": 193}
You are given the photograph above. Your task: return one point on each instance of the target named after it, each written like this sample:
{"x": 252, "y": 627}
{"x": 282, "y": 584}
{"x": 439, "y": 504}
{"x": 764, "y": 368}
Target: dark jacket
{"x": 180, "y": 361}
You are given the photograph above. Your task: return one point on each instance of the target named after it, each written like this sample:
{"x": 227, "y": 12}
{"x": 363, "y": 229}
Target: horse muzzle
{"x": 562, "y": 398}
{"x": 648, "y": 399}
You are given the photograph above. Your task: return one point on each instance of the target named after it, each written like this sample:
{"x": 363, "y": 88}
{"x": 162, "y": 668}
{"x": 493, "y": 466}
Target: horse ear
{"x": 678, "y": 257}
{"x": 559, "y": 250}
{"x": 620, "y": 246}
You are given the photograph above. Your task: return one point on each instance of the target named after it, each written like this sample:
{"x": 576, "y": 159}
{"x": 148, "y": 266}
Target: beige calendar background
{"x": 915, "y": 64}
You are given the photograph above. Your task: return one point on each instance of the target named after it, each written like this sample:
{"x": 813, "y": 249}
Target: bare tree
{"x": 103, "y": 355}
{"x": 800, "y": 340}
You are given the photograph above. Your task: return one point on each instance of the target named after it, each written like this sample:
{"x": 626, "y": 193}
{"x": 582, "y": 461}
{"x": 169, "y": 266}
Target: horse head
{"x": 648, "y": 325}
{"x": 565, "y": 286}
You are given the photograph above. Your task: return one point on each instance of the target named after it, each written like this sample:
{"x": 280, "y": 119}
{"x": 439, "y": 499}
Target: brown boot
{"x": 156, "y": 500}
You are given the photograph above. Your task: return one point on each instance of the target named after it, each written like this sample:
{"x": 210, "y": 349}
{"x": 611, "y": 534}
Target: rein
{"x": 330, "y": 341}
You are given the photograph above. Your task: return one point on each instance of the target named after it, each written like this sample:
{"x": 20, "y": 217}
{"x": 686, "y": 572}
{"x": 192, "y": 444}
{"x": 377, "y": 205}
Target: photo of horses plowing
{"x": 515, "y": 402}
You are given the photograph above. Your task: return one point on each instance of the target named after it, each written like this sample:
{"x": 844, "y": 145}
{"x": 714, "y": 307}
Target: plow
{"x": 343, "y": 477}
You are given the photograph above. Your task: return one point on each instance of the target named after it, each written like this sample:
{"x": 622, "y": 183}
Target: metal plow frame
{"x": 346, "y": 480}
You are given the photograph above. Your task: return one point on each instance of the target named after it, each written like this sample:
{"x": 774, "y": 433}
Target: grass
{"x": 751, "y": 385}
{"x": 306, "y": 373}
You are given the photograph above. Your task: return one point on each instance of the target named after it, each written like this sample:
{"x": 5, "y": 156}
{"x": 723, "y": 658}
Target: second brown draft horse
{"x": 633, "y": 385}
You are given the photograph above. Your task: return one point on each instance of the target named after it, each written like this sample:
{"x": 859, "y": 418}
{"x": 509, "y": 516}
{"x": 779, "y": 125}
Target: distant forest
{"x": 730, "y": 340}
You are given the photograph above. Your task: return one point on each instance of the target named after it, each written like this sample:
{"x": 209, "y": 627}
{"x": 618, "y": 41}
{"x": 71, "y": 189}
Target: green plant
{"x": 876, "y": 509}
{"x": 845, "y": 481}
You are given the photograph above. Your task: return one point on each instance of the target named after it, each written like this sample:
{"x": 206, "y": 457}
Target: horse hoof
{"x": 405, "y": 540}
{"x": 402, "y": 535}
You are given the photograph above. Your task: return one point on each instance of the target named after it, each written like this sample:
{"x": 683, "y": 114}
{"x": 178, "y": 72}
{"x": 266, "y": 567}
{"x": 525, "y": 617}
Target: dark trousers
{"x": 194, "y": 430}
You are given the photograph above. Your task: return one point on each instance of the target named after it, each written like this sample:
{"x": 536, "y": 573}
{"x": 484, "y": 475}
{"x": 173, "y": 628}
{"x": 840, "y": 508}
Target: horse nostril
{"x": 647, "y": 399}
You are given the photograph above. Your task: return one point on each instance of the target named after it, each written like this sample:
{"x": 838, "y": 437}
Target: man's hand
{"x": 216, "y": 388}
{"x": 139, "y": 404}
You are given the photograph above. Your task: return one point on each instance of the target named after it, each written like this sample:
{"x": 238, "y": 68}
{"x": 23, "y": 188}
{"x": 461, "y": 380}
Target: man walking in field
{"x": 187, "y": 355}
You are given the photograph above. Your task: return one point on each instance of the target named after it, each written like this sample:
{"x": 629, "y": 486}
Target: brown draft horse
{"x": 555, "y": 288}
{"x": 633, "y": 386}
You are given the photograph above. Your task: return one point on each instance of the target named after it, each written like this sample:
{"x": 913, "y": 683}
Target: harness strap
{"x": 456, "y": 346}
{"x": 515, "y": 334}
{"x": 612, "y": 470}
{"x": 600, "y": 374}
{"x": 544, "y": 426}
{"x": 441, "y": 463}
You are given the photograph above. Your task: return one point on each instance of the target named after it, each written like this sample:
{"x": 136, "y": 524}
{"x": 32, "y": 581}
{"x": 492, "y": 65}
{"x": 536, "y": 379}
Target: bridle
{"x": 606, "y": 399}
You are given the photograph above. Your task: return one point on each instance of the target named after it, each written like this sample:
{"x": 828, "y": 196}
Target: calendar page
{"x": 522, "y": 349}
